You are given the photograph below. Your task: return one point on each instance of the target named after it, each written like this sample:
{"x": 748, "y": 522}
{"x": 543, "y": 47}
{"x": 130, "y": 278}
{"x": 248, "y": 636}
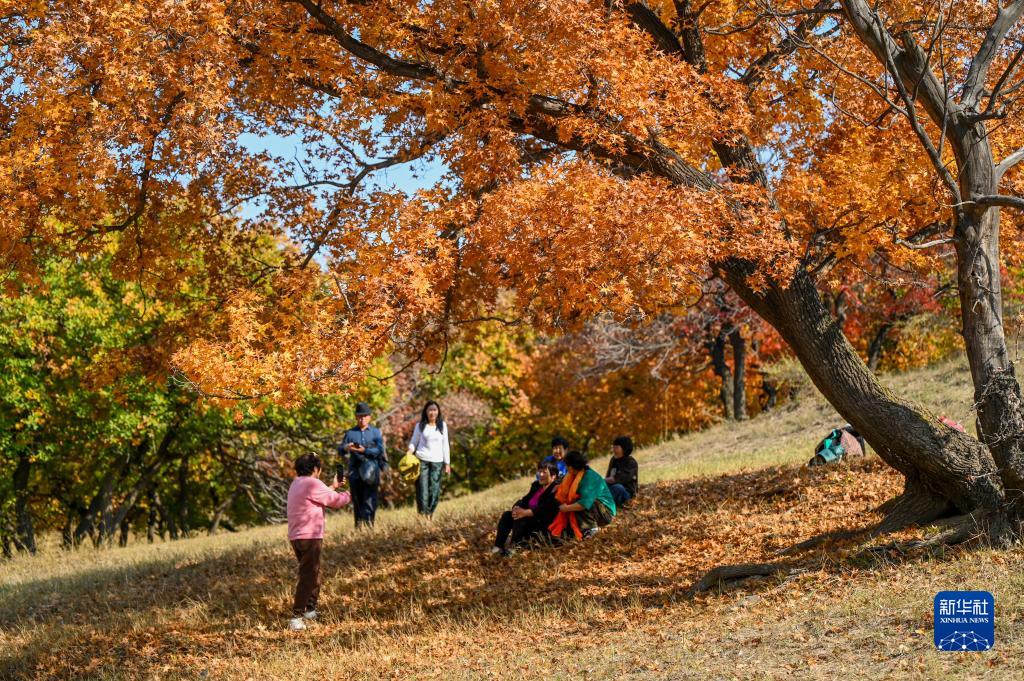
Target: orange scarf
{"x": 567, "y": 494}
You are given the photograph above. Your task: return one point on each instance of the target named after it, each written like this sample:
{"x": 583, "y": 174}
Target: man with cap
{"x": 366, "y": 461}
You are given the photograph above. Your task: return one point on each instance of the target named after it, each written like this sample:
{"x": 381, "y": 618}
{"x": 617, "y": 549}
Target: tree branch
{"x": 793, "y": 40}
{"x": 974, "y": 84}
{"x": 645, "y": 18}
{"x": 1000, "y": 200}
{"x": 395, "y": 67}
{"x": 908, "y": 66}
{"x": 1007, "y": 163}
{"x": 926, "y": 245}
{"x": 689, "y": 28}
{"x": 907, "y": 63}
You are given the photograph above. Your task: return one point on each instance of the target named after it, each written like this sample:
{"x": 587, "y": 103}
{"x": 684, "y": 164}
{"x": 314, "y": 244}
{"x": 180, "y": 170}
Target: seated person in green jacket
{"x": 595, "y": 508}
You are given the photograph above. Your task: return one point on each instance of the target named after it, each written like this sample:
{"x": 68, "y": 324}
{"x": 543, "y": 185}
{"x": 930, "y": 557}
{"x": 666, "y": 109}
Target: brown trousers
{"x": 307, "y": 591}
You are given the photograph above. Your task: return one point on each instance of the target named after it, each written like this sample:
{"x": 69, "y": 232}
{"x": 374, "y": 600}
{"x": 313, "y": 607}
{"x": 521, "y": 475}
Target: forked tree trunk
{"x": 976, "y": 230}
{"x": 91, "y": 519}
{"x": 166, "y": 518}
{"x": 942, "y": 466}
{"x": 221, "y": 508}
{"x": 147, "y": 477}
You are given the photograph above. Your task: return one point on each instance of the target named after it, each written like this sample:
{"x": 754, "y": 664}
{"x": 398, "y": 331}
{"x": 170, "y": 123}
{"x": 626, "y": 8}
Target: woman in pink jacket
{"x": 308, "y": 496}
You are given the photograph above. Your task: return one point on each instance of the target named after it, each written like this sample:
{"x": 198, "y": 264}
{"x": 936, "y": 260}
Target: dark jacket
{"x": 626, "y": 472}
{"x": 547, "y": 507}
{"x": 369, "y": 438}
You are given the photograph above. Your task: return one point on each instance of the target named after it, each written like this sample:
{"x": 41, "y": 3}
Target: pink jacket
{"x": 307, "y": 497}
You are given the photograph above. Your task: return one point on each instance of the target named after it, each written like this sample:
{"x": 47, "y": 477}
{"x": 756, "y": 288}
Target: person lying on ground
{"x": 531, "y": 515}
{"x": 559, "y": 446}
{"x": 623, "y": 471}
{"x": 586, "y": 502}
{"x": 308, "y": 496}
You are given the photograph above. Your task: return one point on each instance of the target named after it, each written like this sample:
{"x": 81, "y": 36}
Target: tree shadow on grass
{"x": 399, "y": 581}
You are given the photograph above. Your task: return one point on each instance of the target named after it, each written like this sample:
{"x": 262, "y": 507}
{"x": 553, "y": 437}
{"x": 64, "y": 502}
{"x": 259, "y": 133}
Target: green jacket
{"x": 593, "y": 488}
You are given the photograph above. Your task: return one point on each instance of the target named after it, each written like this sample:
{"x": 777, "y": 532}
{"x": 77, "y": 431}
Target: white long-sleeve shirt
{"x": 430, "y": 445}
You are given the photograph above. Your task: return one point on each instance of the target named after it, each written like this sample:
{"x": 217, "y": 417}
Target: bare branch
{"x": 997, "y": 90}
{"x": 793, "y": 41}
{"x": 1008, "y": 162}
{"x": 974, "y": 84}
{"x": 1000, "y": 200}
{"x": 926, "y": 245}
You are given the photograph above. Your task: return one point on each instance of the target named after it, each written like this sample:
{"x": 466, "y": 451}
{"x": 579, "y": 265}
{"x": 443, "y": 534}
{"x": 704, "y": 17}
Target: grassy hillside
{"x": 428, "y": 601}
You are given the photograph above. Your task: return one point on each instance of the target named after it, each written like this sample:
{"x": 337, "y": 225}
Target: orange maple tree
{"x": 601, "y": 157}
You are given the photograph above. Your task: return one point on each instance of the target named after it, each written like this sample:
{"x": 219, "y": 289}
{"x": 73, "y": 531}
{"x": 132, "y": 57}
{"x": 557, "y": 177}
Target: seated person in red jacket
{"x": 531, "y": 515}
{"x": 623, "y": 471}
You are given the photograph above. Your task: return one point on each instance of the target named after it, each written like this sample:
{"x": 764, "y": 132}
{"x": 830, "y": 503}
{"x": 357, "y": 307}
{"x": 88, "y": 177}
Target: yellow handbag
{"x": 409, "y": 467}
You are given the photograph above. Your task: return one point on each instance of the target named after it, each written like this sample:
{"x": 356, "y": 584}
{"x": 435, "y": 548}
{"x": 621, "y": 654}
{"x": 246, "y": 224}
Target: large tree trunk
{"x": 940, "y": 464}
{"x": 997, "y": 393}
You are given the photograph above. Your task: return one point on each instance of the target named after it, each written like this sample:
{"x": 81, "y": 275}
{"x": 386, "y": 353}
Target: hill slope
{"x": 428, "y": 601}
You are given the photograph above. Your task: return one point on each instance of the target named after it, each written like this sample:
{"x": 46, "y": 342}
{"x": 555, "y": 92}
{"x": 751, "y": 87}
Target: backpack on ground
{"x": 837, "y": 444}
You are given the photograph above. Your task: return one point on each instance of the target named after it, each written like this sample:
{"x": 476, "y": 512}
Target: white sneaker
{"x": 296, "y": 624}
{"x": 495, "y": 549}
{"x": 310, "y": 615}
{"x": 591, "y": 532}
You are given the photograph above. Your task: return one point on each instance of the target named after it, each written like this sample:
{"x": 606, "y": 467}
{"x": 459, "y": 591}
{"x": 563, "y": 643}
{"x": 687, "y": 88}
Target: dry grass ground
{"x": 428, "y": 601}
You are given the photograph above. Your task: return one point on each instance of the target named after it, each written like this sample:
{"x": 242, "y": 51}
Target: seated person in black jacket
{"x": 531, "y": 515}
{"x": 623, "y": 471}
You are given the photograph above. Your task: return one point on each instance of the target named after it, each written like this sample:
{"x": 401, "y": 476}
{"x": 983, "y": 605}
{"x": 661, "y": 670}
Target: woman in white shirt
{"x": 430, "y": 445}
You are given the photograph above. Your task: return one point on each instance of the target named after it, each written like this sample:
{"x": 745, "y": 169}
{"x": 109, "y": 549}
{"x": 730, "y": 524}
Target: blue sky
{"x": 407, "y": 177}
